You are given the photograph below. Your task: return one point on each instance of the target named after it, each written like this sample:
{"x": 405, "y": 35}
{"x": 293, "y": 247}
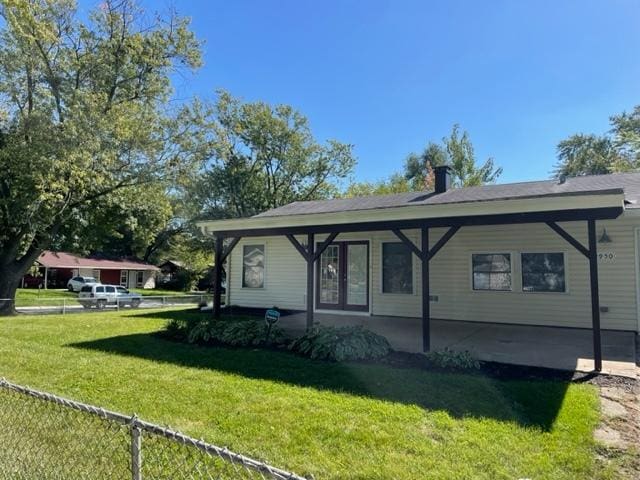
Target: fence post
{"x": 64, "y": 306}
{"x": 136, "y": 450}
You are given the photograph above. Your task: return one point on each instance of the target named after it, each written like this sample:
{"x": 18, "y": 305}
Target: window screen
{"x": 397, "y": 268}
{"x": 543, "y": 272}
{"x": 491, "y": 271}
{"x": 253, "y": 266}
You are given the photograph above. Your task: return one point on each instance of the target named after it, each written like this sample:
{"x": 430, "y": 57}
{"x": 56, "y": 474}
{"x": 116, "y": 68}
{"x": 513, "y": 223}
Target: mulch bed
{"x": 505, "y": 371}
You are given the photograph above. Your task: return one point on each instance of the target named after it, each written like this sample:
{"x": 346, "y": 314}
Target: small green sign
{"x": 272, "y": 316}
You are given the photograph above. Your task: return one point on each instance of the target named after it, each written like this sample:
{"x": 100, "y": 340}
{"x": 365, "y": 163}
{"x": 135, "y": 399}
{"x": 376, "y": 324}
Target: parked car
{"x": 76, "y": 283}
{"x": 100, "y": 296}
{"x": 125, "y": 297}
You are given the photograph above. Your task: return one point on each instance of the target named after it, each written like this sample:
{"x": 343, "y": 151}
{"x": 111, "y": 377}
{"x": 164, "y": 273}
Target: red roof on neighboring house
{"x": 67, "y": 260}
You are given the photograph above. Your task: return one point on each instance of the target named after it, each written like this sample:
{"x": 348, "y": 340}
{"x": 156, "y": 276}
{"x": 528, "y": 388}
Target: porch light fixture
{"x": 604, "y": 238}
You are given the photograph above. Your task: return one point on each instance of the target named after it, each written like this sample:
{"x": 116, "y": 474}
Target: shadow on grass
{"x": 528, "y": 403}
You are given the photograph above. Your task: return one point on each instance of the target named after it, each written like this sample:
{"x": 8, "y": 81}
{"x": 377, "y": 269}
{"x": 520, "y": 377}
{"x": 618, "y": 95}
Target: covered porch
{"x": 425, "y": 224}
{"x": 549, "y": 347}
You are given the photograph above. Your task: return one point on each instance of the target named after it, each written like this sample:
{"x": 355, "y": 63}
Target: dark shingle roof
{"x": 629, "y": 183}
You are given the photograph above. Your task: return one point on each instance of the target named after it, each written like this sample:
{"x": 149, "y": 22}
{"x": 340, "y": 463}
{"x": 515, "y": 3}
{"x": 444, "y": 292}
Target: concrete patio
{"x": 559, "y": 348}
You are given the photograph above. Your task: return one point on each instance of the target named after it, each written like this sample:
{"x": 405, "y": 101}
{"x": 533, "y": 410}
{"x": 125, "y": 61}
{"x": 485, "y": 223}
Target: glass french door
{"x": 342, "y": 277}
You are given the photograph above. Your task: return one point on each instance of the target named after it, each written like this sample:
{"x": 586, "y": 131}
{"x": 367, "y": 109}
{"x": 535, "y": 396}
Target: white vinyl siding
{"x": 285, "y": 276}
{"x": 148, "y": 279}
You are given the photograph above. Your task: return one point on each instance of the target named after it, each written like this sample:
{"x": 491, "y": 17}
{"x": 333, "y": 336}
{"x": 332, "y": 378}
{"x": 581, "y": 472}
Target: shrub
{"x": 448, "y": 359}
{"x": 235, "y": 332}
{"x": 341, "y": 343}
{"x": 248, "y": 333}
{"x": 178, "y": 328}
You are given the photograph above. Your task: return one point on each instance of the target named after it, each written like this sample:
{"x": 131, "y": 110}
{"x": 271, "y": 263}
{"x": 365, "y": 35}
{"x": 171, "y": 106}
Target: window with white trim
{"x": 491, "y": 271}
{"x": 139, "y": 278}
{"x": 543, "y": 272}
{"x": 397, "y": 268}
{"x": 253, "y": 266}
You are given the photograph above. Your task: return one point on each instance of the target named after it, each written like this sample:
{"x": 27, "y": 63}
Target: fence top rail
{"x": 186, "y": 295}
{"x": 134, "y": 421}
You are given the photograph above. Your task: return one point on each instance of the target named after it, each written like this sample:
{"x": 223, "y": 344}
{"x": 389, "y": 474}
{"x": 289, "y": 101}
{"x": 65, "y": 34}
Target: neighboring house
{"x": 169, "y": 270}
{"x": 552, "y": 253}
{"x": 56, "y": 268}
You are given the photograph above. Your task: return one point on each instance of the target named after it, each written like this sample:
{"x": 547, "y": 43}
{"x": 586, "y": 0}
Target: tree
{"x": 588, "y": 155}
{"x": 128, "y": 223}
{"x": 616, "y": 151}
{"x": 84, "y": 116}
{"x": 263, "y": 156}
{"x": 626, "y": 134}
{"x": 194, "y": 254}
{"x": 395, "y": 184}
{"x": 456, "y": 151}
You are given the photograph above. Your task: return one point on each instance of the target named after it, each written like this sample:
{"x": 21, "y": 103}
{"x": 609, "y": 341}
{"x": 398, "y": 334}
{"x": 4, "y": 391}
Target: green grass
{"x": 26, "y": 297}
{"x": 329, "y": 420}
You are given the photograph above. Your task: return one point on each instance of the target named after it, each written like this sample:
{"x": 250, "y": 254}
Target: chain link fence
{"x": 61, "y": 305}
{"x": 46, "y": 437}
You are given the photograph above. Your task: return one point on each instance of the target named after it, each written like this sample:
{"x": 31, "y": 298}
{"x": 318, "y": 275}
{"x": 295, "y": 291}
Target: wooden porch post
{"x": 595, "y": 295}
{"x": 426, "y": 307}
{"x": 217, "y": 278}
{"x": 425, "y": 254}
{"x": 310, "y": 264}
{"x": 592, "y": 255}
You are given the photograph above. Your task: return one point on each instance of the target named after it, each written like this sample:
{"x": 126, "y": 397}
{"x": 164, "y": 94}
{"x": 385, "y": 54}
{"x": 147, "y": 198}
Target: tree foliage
{"x": 617, "y": 151}
{"x": 194, "y": 253}
{"x": 84, "y": 118}
{"x": 262, "y": 156}
{"x": 457, "y": 151}
{"x": 127, "y": 224}
{"x": 397, "y": 183}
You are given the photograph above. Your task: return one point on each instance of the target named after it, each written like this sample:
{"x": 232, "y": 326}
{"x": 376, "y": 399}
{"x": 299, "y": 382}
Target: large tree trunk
{"x": 9, "y": 281}
{"x": 11, "y": 272}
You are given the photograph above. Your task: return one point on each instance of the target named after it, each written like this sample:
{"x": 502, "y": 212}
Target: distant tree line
{"x": 614, "y": 152}
{"x": 455, "y": 150}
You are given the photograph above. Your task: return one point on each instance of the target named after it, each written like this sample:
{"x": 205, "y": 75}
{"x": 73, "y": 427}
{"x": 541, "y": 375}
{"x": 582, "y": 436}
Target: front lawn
{"x": 329, "y": 420}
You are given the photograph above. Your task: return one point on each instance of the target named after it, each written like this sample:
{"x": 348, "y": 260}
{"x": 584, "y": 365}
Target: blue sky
{"x": 388, "y": 76}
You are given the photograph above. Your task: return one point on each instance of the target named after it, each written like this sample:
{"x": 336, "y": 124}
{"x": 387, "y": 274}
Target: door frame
{"x": 342, "y": 305}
